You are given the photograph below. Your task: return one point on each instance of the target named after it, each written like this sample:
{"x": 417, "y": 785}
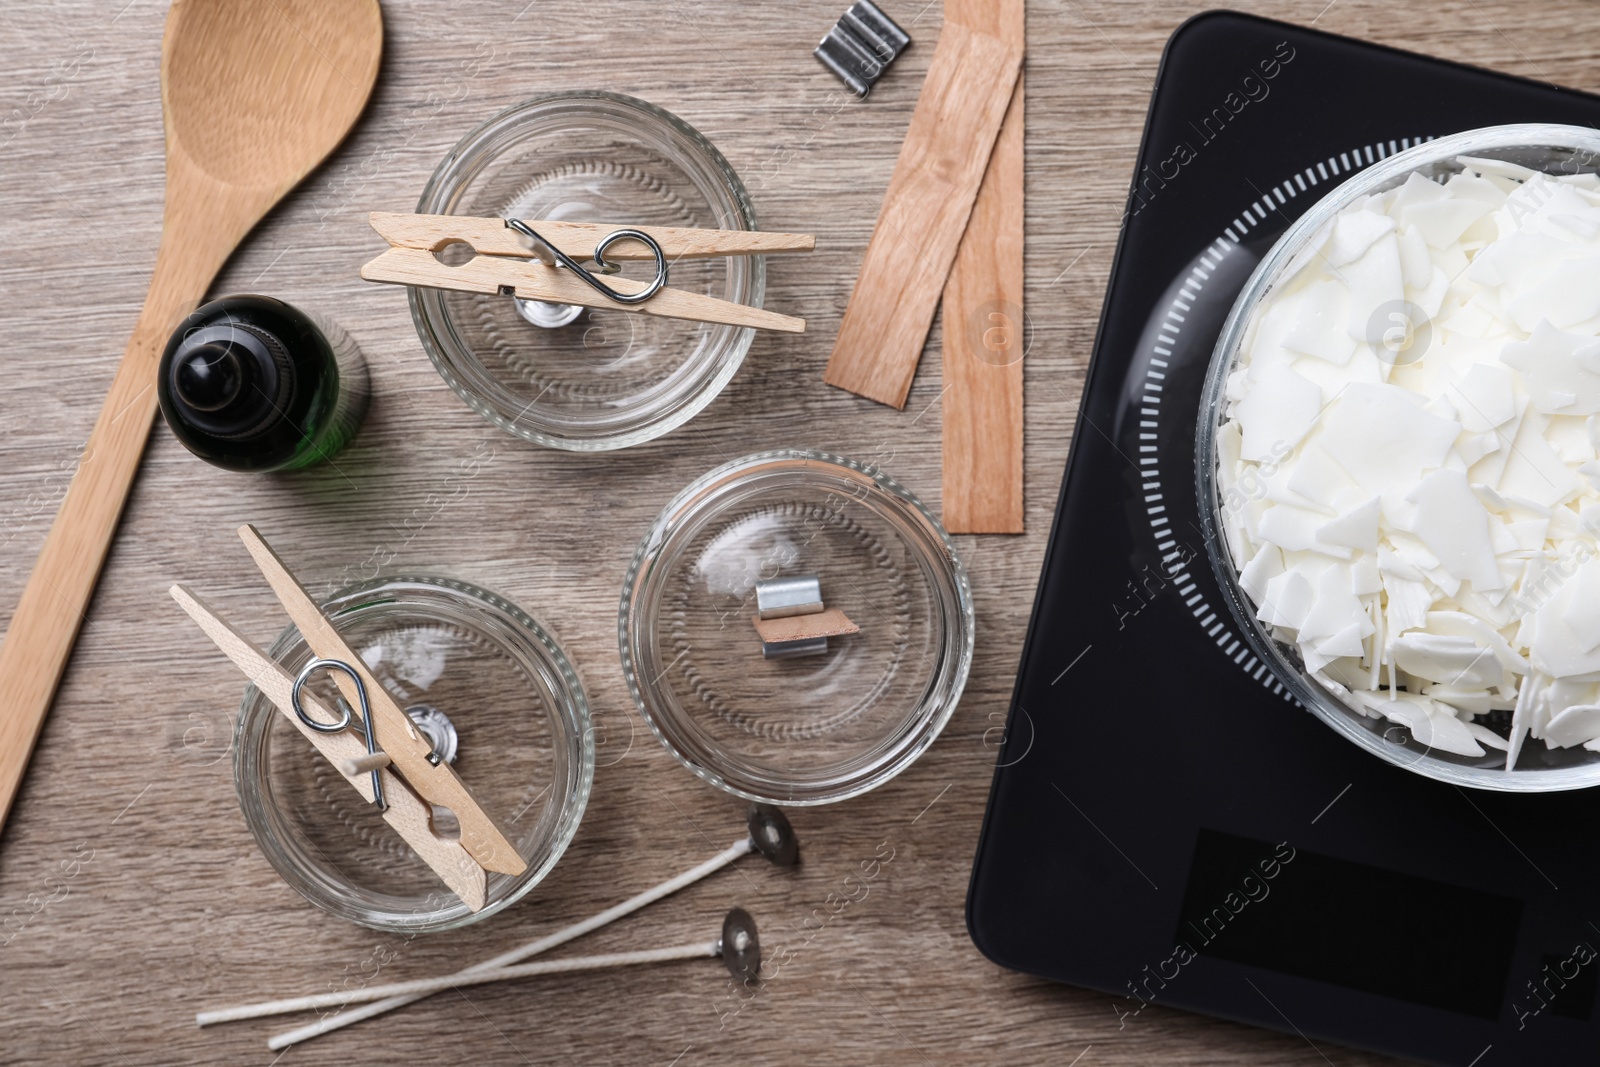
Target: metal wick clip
{"x": 792, "y": 621}
{"x": 542, "y": 259}
{"x": 861, "y": 46}
{"x": 376, "y": 759}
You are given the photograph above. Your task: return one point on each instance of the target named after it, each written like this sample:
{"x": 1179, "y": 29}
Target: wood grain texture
{"x": 410, "y": 817}
{"x": 393, "y": 729}
{"x": 985, "y": 335}
{"x": 535, "y": 281}
{"x": 492, "y": 237}
{"x": 935, "y": 182}
{"x": 131, "y": 893}
{"x": 255, "y": 96}
{"x": 829, "y": 622}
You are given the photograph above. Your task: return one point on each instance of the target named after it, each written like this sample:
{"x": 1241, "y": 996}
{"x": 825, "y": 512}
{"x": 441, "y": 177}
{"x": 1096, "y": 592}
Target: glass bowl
{"x": 1554, "y": 148}
{"x": 496, "y": 696}
{"x": 589, "y": 379}
{"x": 812, "y": 729}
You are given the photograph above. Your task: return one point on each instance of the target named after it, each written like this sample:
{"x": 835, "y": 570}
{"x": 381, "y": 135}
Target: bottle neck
{"x": 231, "y": 380}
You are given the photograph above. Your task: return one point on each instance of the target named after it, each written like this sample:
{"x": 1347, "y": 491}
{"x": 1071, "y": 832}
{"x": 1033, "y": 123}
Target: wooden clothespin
{"x": 405, "y": 811}
{"x": 396, "y": 767}
{"x": 542, "y": 260}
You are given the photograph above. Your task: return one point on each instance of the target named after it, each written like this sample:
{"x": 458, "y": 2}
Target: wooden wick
{"x": 829, "y": 622}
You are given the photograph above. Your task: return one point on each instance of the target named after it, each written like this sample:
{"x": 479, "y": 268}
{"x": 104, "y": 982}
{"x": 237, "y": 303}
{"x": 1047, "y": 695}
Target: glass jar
{"x": 589, "y": 379}
{"x": 1553, "y": 148}
{"x": 816, "y": 728}
{"x": 498, "y": 699}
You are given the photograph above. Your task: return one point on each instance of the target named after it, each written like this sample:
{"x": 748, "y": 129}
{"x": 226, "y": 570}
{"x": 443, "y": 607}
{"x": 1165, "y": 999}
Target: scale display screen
{"x": 1354, "y": 924}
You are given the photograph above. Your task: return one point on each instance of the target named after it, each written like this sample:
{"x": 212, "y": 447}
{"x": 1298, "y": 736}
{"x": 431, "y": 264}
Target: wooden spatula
{"x": 255, "y": 94}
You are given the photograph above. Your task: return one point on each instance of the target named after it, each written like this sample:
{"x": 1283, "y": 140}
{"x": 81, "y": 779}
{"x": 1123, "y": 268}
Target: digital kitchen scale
{"x": 1165, "y": 824}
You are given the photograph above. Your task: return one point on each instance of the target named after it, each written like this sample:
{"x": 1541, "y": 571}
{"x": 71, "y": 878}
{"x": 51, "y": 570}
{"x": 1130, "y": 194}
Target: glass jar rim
{"x": 700, "y": 502}
{"x": 682, "y": 395}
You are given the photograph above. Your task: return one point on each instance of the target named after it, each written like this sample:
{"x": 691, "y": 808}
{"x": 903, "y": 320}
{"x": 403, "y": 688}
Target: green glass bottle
{"x": 251, "y": 383}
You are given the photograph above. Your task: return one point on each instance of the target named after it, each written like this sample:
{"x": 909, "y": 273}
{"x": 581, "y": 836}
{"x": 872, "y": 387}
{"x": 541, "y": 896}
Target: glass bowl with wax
{"x": 588, "y": 379}
{"x": 796, "y": 628}
{"x": 495, "y": 697}
{"x": 1397, "y": 459}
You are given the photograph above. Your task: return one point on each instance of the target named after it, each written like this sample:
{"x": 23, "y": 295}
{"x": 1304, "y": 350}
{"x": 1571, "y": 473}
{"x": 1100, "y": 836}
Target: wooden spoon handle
{"x": 46, "y": 621}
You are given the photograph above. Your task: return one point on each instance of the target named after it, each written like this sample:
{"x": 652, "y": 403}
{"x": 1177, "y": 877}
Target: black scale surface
{"x": 1153, "y": 773}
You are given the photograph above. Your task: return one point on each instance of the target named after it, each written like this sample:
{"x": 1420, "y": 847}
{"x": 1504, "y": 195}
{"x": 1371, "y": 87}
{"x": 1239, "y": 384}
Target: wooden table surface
{"x": 131, "y": 893}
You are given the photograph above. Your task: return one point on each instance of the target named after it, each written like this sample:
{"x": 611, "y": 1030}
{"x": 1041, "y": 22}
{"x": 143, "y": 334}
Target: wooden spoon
{"x": 255, "y": 94}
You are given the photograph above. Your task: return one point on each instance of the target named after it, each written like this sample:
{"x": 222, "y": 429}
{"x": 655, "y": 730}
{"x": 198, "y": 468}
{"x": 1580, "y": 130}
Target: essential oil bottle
{"x": 251, "y": 383}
